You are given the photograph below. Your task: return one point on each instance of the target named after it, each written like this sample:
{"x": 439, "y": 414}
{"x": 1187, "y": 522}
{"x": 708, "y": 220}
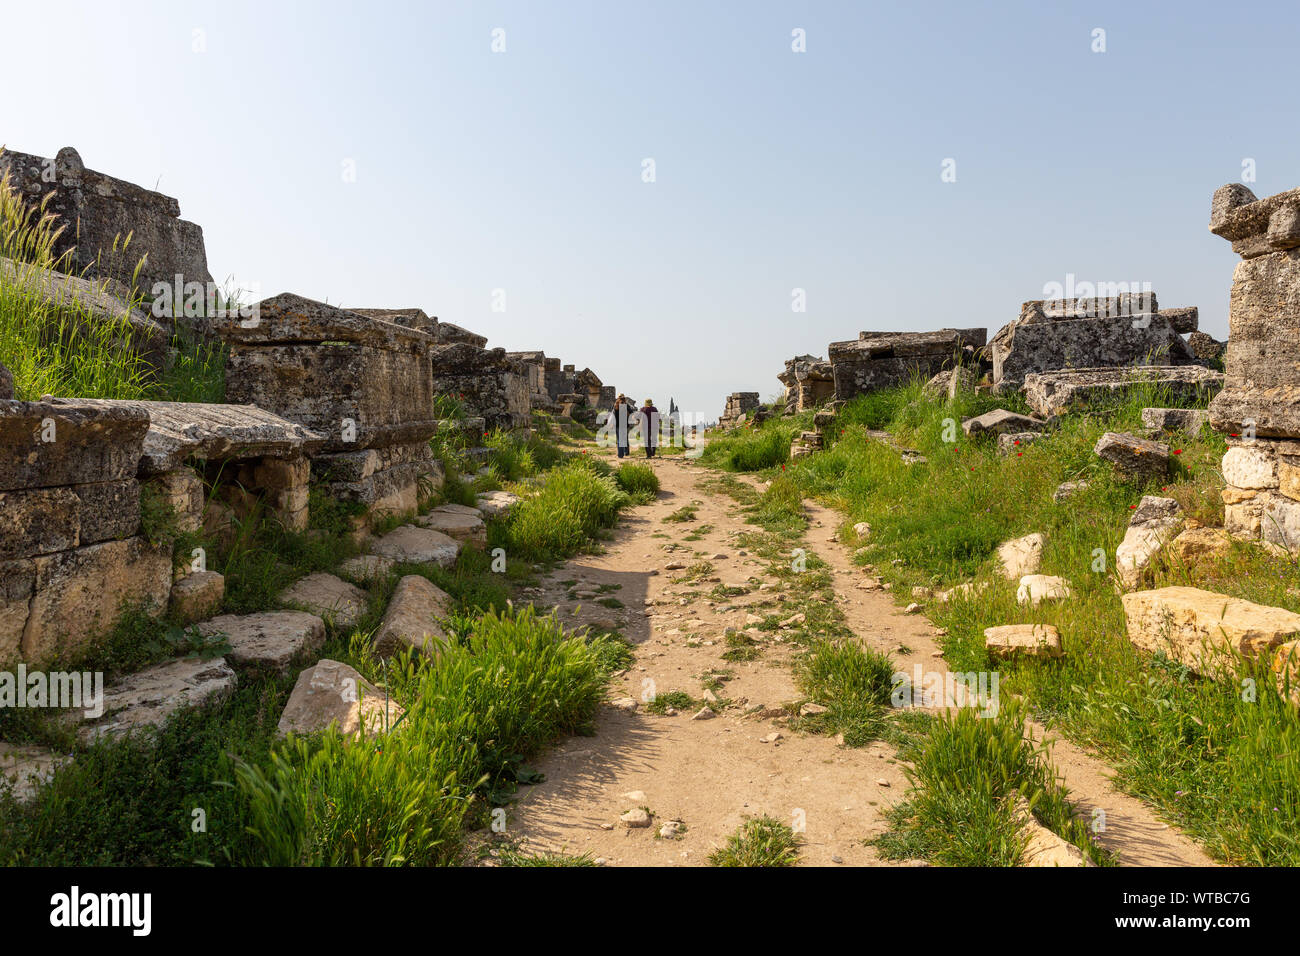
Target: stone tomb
{"x": 1075, "y": 389}
{"x": 70, "y": 548}
{"x": 1259, "y": 407}
{"x": 491, "y": 385}
{"x": 245, "y": 451}
{"x": 98, "y": 211}
{"x": 365, "y": 385}
{"x": 740, "y": 405}
{"x": 876, "y": 360}
{"x": 1089, "y": 333}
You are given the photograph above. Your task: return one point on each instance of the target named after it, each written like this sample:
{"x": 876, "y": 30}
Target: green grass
{"x": 571, "y": 505}
{"x": 753, "y": 449}
{"x": 762, "y": 841}
{"x": 678, "y": 700}
{"x": 1225, "y": 768}
{"x": 639, "y": 481}
{"x": 514, "y": 684}
{"x": 54, "y": 345}
{"x": 853, "y": 683}
{"x": 966, "y": 773}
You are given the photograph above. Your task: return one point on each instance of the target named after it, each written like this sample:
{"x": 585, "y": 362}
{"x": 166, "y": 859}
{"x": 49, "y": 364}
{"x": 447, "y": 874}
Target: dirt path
{"x": 712, "y": 774}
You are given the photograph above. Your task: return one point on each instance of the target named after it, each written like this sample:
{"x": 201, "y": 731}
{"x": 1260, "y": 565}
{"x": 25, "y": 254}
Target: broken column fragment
{"x": 1259, "y": 406}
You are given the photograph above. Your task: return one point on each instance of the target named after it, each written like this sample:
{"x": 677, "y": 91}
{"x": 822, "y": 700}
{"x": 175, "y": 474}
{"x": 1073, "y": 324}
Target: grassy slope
{"x": 1223, "y": 765}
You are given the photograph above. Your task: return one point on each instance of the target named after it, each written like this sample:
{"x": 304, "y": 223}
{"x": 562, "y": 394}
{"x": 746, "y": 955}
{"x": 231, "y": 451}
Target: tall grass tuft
{"x": 512, "y": 685}
{"x": 639, "y": 481}
{"x": 752, "y": 449}
{"x": 572, "y": 504}
{"x": 968, "y": 772}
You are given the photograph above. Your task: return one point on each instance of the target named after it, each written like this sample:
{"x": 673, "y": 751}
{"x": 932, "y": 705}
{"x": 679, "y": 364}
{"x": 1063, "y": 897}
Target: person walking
{"x": 623, "y": 413}
{"x": 650, "y": 426}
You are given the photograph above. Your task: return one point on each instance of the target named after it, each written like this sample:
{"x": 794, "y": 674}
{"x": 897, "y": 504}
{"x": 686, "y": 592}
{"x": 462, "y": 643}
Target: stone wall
{"x": 96, "y": 210}
{"x": 876, "y": 360}
{"x": 364, "y": 384}
{"x": 1259, "y": 407}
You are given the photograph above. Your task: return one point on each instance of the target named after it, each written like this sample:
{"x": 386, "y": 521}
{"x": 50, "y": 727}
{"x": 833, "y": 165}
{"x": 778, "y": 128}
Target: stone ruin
{"x": 70, "y": 543}
{"x": 809, "y": 383}
{"x": 73, "y": 477}
{"x": 533, "y": 365}
{"x": 1076, "y": 389}
{"x": 1090, "y": 333}
{"x": 98, "y": 212}
{"x": 740, "y": 407}
{"x": 365, "y": 385}
{"x": 416, "y": 319}
{"x": 876, "y": 360}
{"x": 492, "y": 386}
{"x": 1259, "y": 406}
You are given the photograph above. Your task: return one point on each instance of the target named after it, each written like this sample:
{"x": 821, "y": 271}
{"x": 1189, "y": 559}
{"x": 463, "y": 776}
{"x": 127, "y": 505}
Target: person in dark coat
{"x": 650, "y": 426}
{"x": 623, "y": 412}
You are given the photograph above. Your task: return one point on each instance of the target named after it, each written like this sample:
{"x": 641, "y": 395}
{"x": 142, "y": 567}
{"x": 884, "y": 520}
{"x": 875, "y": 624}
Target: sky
{"x": 642, "y": 188}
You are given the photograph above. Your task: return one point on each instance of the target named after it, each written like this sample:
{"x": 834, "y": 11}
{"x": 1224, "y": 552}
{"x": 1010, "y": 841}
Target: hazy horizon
{"x": 387, "y": 157}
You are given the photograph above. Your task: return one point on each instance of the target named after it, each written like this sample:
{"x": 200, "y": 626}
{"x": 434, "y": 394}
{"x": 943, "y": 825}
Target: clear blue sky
{"x": 775, "y": 170}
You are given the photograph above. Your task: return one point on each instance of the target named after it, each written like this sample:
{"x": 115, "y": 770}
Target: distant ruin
{"x": 809, "y": 383}
{"x": 876, "y": 360}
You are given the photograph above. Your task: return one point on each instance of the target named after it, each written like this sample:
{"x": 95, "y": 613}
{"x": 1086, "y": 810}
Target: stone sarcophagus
{"x": 1259, "y": 406}
{"x": 1117, "y": 331}
{"x": 98, "y": 212}
{"x": 71, "y": 553}
{"x": 363, "y": 384}
{"x": 876, "y": 360}
{"x": 491, "y": 385}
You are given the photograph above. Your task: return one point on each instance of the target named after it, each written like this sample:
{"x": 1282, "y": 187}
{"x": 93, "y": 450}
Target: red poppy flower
{"x": 1178, "y": 451}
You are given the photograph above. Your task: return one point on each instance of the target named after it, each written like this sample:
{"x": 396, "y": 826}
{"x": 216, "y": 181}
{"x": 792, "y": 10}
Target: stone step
{"x": 268, "y": 639}
{"x": 327, "y": 597}
{"x": 144, "y": 700}
{"x": 414, "y": 545}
